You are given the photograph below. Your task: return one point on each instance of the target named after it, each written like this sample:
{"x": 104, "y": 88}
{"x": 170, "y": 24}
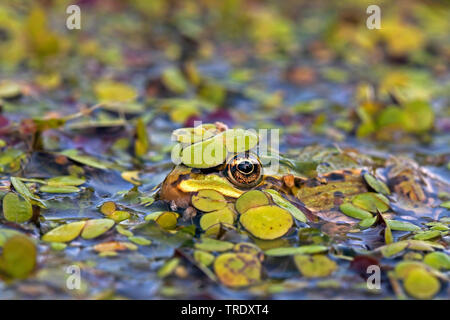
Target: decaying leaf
{"x": 237, "y": 269}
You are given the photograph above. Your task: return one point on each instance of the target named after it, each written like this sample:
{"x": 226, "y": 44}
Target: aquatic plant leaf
{"x": 23, "y": 190}
{"x": 437, "y": 260}
{"x": 9, "y": 89}
{"x": 208, "y": 244}
{"x": 355, "y": 212}
{"x": 167, "y": 220}
{"x": 18, "y": 258}
{"x": 16, "y": 209}
{"x": 84, "y": 159}
{"x": 393, "y": 248}
{"x": 174, "y": 80}
{"x": 112, "y": 91}
{"x": 125, "y": 232}
{"x": 388, "y": 237}
{"x": 58, "y": 246}
{"x": 224, "y": 215}
{"x": 119, "y": 215}
{"x": 419, "y": 116}
{"x": 267, "y": 222}
{"x": 203, "y": 257}
{"x": 5, "y": 234}
{"x": 240, "y": 140}
{"x": 397, "y": 247}
{"x": 192, "y": 135}
{"x": 372, "y": 202}
{"x": 377, "y": 185}
{"x": 140, "y": 240}
{"x": 367, "y": 223}
{"x": 237, "y": 269}
{"x": 64, "y": 233}
{"x": 96, "y": 227}
{"x": 58, "y": 189}
{"x": 288, "y": 251}
{"x": 114, "y": 246}
{"x": 251, "y": 199}
{"x": 421, "y": 284}
{"x": 205, "y": 154}
{"x": 280, "y": 201}
{"x": 168, "y": 268}
{"x": 208, "y": 200}
{"x": 315, "y": 266}
{"x": 427, "y": 235}
{"x": 108, "y": 208}
{"x": 65, "y": 181}
{"x": 403, "y": 268}
{"x": 142, "y": 143}
{"x": 402, "y": 225}
{"x": 250, "y": 248}
{"x": 131, "y": 177}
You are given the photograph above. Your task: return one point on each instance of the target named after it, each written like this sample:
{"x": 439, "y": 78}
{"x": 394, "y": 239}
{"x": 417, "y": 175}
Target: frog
{"x": 337, "y": 176}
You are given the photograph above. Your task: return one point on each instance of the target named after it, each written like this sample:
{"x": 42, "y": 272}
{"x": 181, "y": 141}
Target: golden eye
{"x": 244, "y": 170}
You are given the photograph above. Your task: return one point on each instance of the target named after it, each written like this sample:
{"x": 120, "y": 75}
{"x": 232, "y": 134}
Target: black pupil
{"x": 245, "y": 167}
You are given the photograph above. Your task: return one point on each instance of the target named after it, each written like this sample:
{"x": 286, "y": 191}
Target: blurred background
{"x": 312, "y": 68}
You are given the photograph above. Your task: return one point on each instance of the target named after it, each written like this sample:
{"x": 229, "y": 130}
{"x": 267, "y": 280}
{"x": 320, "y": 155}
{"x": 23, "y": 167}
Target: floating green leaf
{"x": 16, "y": 209}
{"x": 18, "y": 258}
{"x": 267, "y": 222}
{"x": 279, "y": 200}
{"x": 377, "y": 185}
{"x": 64, "y": 233}
{"x": 167, "y": 220}
{"x": 372, "y": 202}
{"x": 355, "y": 212}
{"x": 140, "y": 240}
{"x": 438, "y": 260}
{"x": 203, "y": 257}
{"x": 445, "y": 204}
{"x": 240, "y": 140}
{"x": 402, "y": 225}
{"x": 168, "y": 268}
{"x": 205, "y": 154}
{"x": 111, "y": 91}
{"x": 59, "y": 189}
{"x": 86, "y": 160}
{"x": 96, "y": 227}
{"x": 421, "y": 284}
{"x": 315, "y": 266}
{"x": 309, "y": 249}
{"x": 174, "y": 80}
{"x": 366, "y": 223}
{"x": 251, "y": 199}
{"x": 65, "y": 181}
{"x": 208, "y": 200}
{"x": 208, "y": 244}
{"x": 427, "y": 235}
{"x": 26, "y": 193}
{"x": 224, "y": 215}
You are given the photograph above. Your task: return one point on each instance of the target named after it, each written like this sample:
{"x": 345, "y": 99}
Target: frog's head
{"x": 238, "y": 170}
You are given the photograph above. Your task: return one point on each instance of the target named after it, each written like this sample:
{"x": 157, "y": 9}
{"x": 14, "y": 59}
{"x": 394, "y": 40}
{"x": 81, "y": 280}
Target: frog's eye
{"x": 244, "y": 170}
